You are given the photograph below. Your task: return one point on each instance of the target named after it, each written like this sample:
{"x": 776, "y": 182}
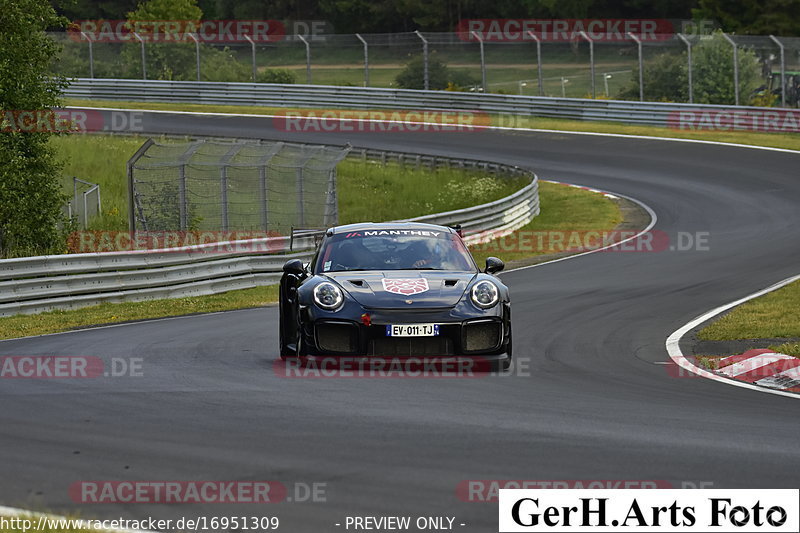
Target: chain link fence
{"x": 85, "y": 203}
{"x": 232, "y": 186}
{"x": 675, "y": 67}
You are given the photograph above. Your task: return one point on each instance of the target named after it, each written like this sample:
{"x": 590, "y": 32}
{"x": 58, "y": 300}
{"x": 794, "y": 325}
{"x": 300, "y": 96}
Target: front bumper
{"x": 485, "y": 336}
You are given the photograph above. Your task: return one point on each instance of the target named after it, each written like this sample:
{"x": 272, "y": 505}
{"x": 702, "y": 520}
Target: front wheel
{"x": 286, "y": 349}
{"x": 507, "y": 362}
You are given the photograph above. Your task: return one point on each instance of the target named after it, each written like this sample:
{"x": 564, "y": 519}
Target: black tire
{"x": 507, "y": 362}
{"x": 285, "y": 351}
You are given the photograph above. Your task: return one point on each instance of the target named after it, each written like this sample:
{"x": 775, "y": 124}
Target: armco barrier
{"x": 35, "y": 284}
{"x": 322, "y": 96}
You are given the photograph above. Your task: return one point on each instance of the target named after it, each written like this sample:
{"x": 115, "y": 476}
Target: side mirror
{"x": 493, "y": 265}
{"x": 294, "y": 266}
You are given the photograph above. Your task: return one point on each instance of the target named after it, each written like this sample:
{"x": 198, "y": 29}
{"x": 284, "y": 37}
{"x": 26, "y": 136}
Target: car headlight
{"x": 485, "y": 294}
{"x": 328, "y": 296}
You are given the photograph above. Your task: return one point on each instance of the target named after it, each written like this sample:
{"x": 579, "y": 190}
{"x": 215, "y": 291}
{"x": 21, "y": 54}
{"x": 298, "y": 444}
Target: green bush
{"x": 221, "y": 65}
{"x": 713, "y": 72}
{"x": 439, "y": 76}
{"x": 666, "y": 75}
{"x": 276, "y": 75}
{"x": 665, "y": 79}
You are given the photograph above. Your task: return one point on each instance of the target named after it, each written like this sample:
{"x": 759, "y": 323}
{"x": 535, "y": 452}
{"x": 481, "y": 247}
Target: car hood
{"x": 393, "y": 289}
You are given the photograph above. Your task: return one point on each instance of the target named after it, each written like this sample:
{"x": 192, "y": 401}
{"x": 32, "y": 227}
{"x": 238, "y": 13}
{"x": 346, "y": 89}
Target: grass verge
{"x": 775, "y": 140}
{"x": 112, "y": 313}
{"x": 773, "y": 315}
{"x": 362, "y": 185}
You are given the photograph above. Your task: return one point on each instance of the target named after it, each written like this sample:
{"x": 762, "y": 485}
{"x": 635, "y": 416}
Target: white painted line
{"x": 675, "y": 353}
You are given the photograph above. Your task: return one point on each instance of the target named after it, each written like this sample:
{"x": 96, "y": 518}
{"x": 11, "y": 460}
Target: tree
{"x": 31, "y": 217}
{"x": 439, "y": 76}
{"x": 165, "y": 61}
{"x": 665, "y": 79}
{"x": 759, "y": 17}
{"x": 712, "y": 72}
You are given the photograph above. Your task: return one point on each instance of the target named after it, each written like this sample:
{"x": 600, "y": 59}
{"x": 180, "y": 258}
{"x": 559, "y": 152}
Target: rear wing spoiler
{"x": 305, "y": 238}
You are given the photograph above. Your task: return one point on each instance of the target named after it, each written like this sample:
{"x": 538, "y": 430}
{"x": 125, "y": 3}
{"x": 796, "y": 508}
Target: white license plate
{"x": 412, "y": 330}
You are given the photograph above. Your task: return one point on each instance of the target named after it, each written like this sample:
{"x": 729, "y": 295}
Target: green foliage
{"x": 439, "y": 76}
{"x": 757, "y": 17}
{"x": 665, "y": 79}
{"x": 31, "y": 219}
{"x": 276, "y": 75}
{"x": 221, "y": 65}
{"x": 713, "y": 72}
{"x": 166, "y": 10}
{"x": 666, "y": 75}
{"x": 164, "y": 61}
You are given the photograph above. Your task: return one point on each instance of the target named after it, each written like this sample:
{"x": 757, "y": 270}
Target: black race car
{"x": 394, "y": 290}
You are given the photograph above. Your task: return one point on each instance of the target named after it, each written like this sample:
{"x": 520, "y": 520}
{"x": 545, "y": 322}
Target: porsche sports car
{"x": 394, "y": 290}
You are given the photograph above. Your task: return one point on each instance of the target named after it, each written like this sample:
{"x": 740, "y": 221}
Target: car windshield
{"x": 394, "y": 250}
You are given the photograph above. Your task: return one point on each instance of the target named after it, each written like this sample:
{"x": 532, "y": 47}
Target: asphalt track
{"x": 595, "y": 404}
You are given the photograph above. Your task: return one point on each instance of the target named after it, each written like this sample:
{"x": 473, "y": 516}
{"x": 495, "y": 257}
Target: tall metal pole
{"x": 91, "y": 54}
{"x": 366, "y": 59}
{"x": 538, "y": 61}
{"x": 308, "y": 58}
{"x": 735, "y": 67}
{"x": 641, "y": 65}
{"x": 783, "y": 69}
{"x": 252, "y": 54}
{"x": 196, "y": 53}
{"x": 688, "y": 44}
{"x": 591, "y": 62}
{"x": 483, "y": 62}
{"x": 426, "y": 82}
{"x": 144, "y": 63}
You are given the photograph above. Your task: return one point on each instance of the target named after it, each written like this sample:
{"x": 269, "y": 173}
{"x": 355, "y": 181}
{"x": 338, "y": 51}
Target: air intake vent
{"x": 357, "y": 282}
{"x": 450, "y": 282}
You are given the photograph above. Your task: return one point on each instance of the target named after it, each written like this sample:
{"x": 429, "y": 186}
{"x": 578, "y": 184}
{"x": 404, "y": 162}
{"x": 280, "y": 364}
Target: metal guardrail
{"x": 322, "y": 96}
{"x": 35, "y": 284}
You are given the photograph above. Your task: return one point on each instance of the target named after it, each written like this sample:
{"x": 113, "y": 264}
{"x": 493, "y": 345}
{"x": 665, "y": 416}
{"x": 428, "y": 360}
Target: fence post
{"x": 91, "y": 54}
{"x": 483, "y": 62}
{"x": 223, "y": 183}
{"x": 538, "y": 60}
{"x": 735, "y": 67}
{"x": 689, "y": 65}
{"x": 131, "y": 189}
{"x": 366, "y": 59}
{"x": 262, "y": 183}
{"x": 641, "y": 65}
{"x": 308, "y": 58}
{"x": 591, "y": 61}
{"x": 144, "y": 62}
{"x": 783, "y": 69}
{"x": 196, "y": 53}
{"x": 252, "y": 54}
{"x": 426, "y": 83}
